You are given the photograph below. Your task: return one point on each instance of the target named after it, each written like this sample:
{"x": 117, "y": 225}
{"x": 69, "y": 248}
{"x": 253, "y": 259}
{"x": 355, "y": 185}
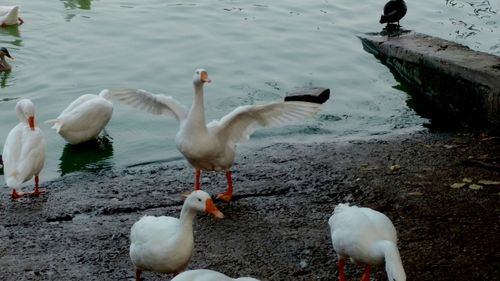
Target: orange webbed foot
{"x": 15, "y": 195}
{"x": 225, "y": 196}
{"x": 37, "y": 193}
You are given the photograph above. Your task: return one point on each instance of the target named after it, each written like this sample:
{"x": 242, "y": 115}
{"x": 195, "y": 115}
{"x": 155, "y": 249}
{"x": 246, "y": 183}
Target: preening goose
{"x": 24, "y": 150}
{"x": 207, "y": 275}
{"x": 9, "y": 15}
{"x": 165, "y": 244}
{"x": 211, "y": 147}
{"x": 368, "y": 237}
{"x": 84, "y": 118}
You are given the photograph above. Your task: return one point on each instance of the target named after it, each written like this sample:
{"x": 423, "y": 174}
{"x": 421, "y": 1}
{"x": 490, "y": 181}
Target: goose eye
{"x": 199, "y": 200}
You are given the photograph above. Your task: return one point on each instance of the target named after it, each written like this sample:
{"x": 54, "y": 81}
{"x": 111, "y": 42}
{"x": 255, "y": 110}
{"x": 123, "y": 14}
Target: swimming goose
{"x": 211, "y": 147}
{"x": 207, "y": 275}
{"x": 367, "y": 237}
{"x": 394, "y": 10}
{"x": 165, "y": 244}
{"x": 24, "y": 150}
{"x": 4, "y": 65}
{"x": 84, "y": 118}
{"x": 9, "y": 15}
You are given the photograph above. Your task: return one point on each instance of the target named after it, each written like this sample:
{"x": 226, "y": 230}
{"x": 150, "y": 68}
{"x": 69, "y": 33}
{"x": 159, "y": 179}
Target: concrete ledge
{"x": 460, "y": 81}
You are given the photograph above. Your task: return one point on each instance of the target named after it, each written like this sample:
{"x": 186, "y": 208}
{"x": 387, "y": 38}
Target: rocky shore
{"x": 440, "y": 190}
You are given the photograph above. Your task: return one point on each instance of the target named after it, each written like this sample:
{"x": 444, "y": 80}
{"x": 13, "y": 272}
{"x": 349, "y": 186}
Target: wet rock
{"x": 314, "y": 95}
{"x": 455, "y": 79}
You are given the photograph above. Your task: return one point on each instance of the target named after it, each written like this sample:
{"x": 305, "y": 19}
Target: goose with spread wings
{"x": 211, "y": 147}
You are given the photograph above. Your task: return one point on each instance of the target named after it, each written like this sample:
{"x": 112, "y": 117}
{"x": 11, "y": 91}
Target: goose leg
{"x": 366, "y": 275}
{"x": 341, "y": 265}
{"x": 21, "y": 21}
{"x": 197, "y": 175}
{"x": 226, "y": 196}
{"x": 37, "y": 191}
{"x": 138, "y": 274}
{"x": 16, "y": 195}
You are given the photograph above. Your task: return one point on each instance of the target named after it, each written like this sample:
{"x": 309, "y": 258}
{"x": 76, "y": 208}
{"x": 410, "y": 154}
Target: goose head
{"x": 25, "y": 111}
{"x": 200, "y": 201}
{"x": 200, "y": 77}
{"x": 5, "y": 52}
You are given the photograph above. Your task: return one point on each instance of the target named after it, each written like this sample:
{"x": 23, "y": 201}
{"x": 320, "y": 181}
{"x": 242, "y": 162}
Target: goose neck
{"x": 197, "y": 112}
{"x": 187, "y": 217}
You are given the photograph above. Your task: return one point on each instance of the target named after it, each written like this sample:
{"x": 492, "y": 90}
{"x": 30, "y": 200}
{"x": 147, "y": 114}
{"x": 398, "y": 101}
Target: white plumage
{"x": 211, "y": 147}
{"x": 9, "y": 15}
{"x": 84, "y": 118}
{"x": 368, "y": 237}
{"x": 165, "y": 244}
{"x": 208, "y": 275}
{"x": 24, "y": 150}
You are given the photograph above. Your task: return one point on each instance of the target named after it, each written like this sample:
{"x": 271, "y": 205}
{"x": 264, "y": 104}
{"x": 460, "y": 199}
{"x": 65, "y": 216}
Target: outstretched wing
{"x": 155, "y": 104}
{"x": 238, "y": 125}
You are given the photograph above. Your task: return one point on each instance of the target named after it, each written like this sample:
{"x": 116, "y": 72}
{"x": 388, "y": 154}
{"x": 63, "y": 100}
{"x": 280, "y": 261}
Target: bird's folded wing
{"x": 155, "y": 104}
{"x": 238, "y": 125}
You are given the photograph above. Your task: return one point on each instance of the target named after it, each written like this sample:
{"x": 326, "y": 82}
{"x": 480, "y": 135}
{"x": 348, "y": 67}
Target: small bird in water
{"x": 394, "y": 10}
{"x": 4, "y": 66}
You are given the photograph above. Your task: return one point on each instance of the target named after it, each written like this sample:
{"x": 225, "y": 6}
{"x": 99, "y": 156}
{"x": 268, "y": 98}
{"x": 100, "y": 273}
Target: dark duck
{"x": 394, "y": 10}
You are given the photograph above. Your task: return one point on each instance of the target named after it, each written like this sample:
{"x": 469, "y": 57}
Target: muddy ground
{"x": 276, "y": 228}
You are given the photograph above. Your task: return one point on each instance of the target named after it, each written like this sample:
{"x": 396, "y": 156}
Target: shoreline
{"x": 276, "y": 227}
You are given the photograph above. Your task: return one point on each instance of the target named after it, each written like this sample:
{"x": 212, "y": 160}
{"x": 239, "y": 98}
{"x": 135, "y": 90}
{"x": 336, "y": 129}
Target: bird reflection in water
{"x": 91, "y": 156}
{"x": 77, "y": 4}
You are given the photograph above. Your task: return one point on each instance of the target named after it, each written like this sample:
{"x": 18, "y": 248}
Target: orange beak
{"x": 31, "y": 122}
{"x": 211, "y": 209}
{"x": 204, "y": 77}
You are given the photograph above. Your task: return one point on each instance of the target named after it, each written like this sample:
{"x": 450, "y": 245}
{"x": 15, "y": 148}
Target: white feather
{"x": 165, "y": 244}
{"x": 211, "y": 146}
{"x": 24, "y": 149}
{"x": 9, "y": 15}
{"x": 208, "y": 275}
{"x": 367, "y": 237}
{"x": 84, "y": 118}
{"x": 155, "y": 104}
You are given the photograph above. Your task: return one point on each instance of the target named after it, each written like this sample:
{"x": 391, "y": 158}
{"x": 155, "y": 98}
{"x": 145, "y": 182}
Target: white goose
{"x": 211, "y": 147}
{"x": 165, "y": 244}
{"x": 84, "y": 118}
{"x": 24, "y": 150}
{"x": 9, "y": 15}
{"x": 207, "y": 275}
{"x": 367, "y": 237}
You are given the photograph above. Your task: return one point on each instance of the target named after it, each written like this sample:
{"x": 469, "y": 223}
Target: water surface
{"x": 254, "y": 52}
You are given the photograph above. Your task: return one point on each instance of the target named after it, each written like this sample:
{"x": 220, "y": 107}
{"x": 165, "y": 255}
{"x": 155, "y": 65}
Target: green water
{"x": 254, "y": 52}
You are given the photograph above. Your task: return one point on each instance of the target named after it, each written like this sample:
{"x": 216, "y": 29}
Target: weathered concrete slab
{"x": 313, "y": 94}
{"x": 462, "y": 82}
